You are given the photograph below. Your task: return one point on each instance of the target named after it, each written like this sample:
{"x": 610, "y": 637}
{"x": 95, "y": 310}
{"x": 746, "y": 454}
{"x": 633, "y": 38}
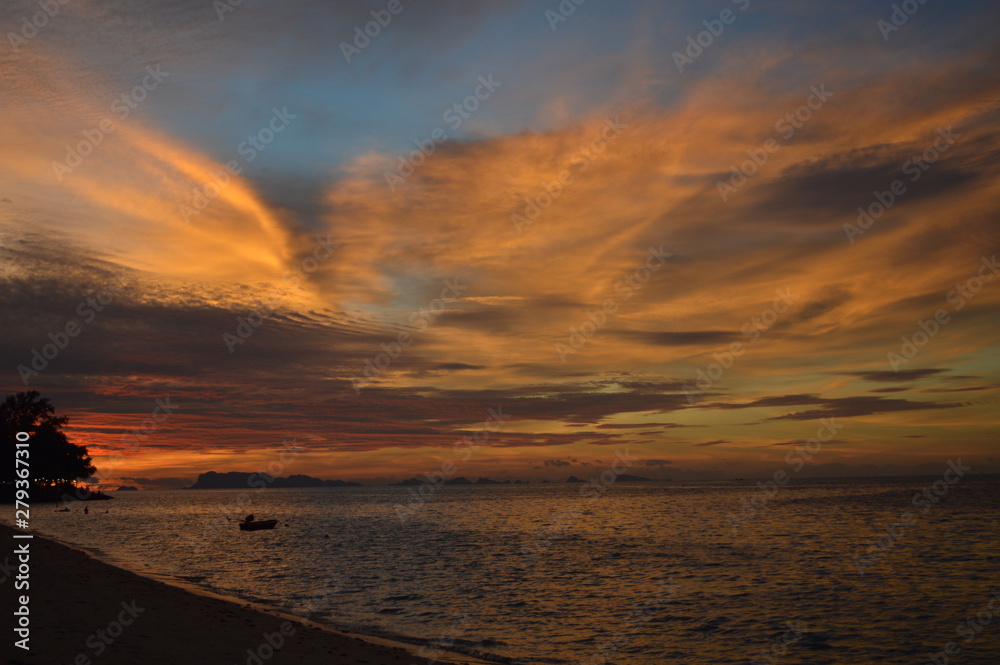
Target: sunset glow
{"x": 698, "y": 263}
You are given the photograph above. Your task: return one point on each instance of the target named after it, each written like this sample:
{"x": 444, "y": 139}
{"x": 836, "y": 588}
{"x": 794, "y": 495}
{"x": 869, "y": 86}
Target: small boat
{"x": 258, "y": 525}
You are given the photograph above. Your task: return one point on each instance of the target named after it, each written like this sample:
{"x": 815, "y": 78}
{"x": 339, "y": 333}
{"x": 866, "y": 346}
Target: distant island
{"x": 623, "y": 478}
{"x": 127, "y": 488}
{"x": 461, "y": 480}
{"x": 213, "y": 480}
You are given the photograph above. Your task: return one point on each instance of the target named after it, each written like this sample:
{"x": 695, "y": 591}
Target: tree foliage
{"x": 54, "y": 461}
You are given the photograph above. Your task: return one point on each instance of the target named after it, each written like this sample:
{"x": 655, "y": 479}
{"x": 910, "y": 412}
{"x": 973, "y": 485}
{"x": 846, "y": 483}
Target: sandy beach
{"x": 83, "y": 610}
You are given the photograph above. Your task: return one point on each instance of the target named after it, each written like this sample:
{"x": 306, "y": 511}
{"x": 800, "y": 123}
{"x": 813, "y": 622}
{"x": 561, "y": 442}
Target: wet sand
{"x": 84, "y": 611}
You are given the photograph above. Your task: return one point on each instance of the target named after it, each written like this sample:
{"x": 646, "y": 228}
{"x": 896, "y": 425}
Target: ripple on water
{"x": 461, "y": 573}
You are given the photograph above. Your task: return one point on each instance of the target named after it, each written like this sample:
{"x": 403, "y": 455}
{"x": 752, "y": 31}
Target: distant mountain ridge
{"x": 461, "y": 480}
{"x": 622, "y": 478}
{"x": 213, "y": 480}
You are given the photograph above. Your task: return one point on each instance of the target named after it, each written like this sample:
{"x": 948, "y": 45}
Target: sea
{"x": 884, "y": 570}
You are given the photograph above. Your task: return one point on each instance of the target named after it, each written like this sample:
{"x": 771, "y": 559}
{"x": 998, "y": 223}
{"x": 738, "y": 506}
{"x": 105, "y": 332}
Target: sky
{"x": 715, "y": 239}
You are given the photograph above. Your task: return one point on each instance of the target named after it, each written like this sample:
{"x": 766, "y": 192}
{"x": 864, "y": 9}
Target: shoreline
{"x": 86, "y": 610}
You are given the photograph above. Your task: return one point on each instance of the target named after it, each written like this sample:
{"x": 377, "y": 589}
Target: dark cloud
{"x": 850, "y": 407}
{"x": 297, "y": 367}
{"x": 802, "y": 442}
{"x": 776, "y": 400}
{"x": 514, "y": 316}
{"x": 835, "y": 297}
{"x": 898, "y": 377}
{"x": 483, "y": 318}
{"x": 638, "y": 426}
{"x": 455, "y": 367}
{"x": 163, "y": 335}
{"x": 690, "y": 338}
{"x": 843, "y": 407}
{"x": 959, "y": 390}
{"x": 823, "y": 184}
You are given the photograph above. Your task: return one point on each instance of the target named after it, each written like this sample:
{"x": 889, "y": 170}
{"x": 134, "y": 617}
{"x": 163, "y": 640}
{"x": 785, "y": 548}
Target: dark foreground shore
{"x": 83, "y": 611}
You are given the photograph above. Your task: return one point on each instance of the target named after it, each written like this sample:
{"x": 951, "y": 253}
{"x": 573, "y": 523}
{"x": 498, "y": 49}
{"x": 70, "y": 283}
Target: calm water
{"x": 648, "y": 573}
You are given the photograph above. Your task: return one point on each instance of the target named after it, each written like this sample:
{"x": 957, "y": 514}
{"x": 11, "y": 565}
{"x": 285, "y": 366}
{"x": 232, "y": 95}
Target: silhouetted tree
{"x": 55, "y": 462}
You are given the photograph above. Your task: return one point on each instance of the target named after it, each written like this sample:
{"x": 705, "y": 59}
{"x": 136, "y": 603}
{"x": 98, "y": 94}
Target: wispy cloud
{"x": 193, "y": 277}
